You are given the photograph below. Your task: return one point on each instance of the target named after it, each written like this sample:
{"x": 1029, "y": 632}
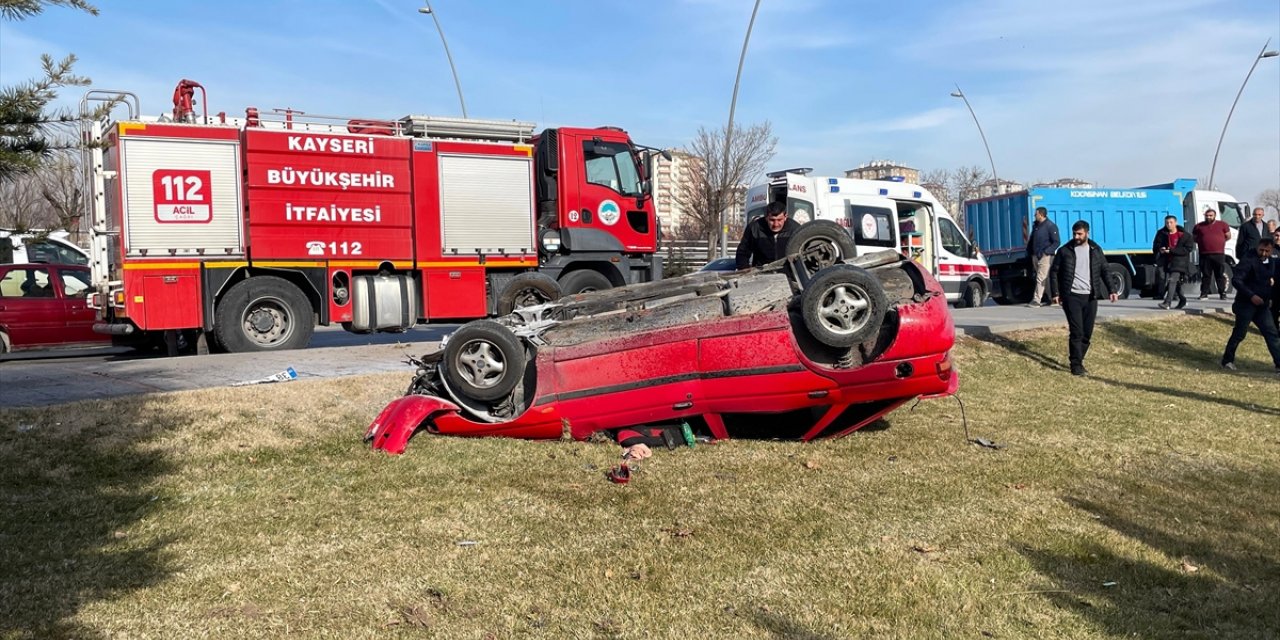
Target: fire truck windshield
{"x": 612, "y": 165}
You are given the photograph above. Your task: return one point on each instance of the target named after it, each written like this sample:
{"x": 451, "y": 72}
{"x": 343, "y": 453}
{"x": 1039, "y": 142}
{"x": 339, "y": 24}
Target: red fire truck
{"x": 249, "y": 232}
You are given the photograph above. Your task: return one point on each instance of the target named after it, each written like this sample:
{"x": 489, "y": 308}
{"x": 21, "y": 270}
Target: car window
{"x": 952, "y": 239}
{"x": 1229, "y": 212}
{"x": 75, "y": 284}
{"x": 26, "y": 283}
{"x": 610, "y": 164}
{"x": 871, "y": 226}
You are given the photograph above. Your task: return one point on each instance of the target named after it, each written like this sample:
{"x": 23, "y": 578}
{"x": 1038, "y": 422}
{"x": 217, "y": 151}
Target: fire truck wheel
{"x": 584, "y": 281}
{"x": 527, "y": 290}
{"x": 821, "y": 243}
{"x": 483, "y": 360}
{"x": 263, "y": 313}
{"x": 843, "y": 306}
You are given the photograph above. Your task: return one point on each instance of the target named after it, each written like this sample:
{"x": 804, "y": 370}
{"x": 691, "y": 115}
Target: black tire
{"x": 263, "y": 313}
{"x": 583, "y": 281}
{"x": 843, "y": 305}
{"x": 1121, "y": 281}
{"x": 973, "y": 296}
{"x": 821, "y": 244}
{"x": 483, "y": 360}
{"x": 526, "y": 290}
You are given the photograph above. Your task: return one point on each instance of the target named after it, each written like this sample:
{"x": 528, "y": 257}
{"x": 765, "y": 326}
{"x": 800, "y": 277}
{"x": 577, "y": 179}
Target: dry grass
{"x": 1139, "y": 502}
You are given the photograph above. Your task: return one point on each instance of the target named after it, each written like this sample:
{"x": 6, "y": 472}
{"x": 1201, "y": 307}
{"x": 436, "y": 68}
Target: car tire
{"x": 1120, "y": 279}
{"x": 526, "y": 290}
{"x": 583, "y": 281}
{"x": 843, "y": 306}
{"x": 973, "y": 296}
{"x": 263, "y": 313}
{"x": 483, "y": 360}
{"x": 821, "y": 244}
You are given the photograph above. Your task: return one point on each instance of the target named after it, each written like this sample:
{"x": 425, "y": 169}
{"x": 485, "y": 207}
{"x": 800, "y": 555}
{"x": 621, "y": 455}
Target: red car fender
{"x": 399, "y": 420}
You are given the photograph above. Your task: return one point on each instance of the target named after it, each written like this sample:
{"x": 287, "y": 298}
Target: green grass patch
{"x": 1140, "y": 501}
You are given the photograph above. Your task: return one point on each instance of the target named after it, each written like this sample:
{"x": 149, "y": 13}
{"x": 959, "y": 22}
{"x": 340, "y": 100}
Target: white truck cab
{"x": 884, "y": 214}
{"x": 1230, "y": 211}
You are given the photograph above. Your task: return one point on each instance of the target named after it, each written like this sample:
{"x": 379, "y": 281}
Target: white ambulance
{"x": 884, "y": 214}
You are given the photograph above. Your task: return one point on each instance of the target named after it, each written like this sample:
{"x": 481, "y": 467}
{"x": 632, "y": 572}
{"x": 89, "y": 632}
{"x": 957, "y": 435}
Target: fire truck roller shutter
{"x": 264, "y": 313}
{"x": 486, "y": 204}
{"x": 182, "y": 197}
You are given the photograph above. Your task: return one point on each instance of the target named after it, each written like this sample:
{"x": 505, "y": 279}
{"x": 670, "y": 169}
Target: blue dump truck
{"x": 1123, "y": 221}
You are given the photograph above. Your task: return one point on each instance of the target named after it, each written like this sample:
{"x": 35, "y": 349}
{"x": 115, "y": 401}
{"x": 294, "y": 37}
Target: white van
{"x": 35, "y": 246}
{"x": 884, "y": 214}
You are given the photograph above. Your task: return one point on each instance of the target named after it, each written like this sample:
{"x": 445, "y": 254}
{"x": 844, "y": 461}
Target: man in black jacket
{"x": 1041, "y": 245}
{"x": 1077, "y": 280}
{"x": 1249, "y": 234}
{"x": 1252, "y": 279}
{"x": 765, "y": 239}
{"x": 1172, "y": 247}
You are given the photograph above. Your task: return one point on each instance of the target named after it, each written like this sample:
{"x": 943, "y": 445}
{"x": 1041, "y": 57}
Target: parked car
{"x": 827, "y": 344}
{"x": 721, "y": 264}
{"x": 51, "y": 247}
{"x": 44, "y": 305}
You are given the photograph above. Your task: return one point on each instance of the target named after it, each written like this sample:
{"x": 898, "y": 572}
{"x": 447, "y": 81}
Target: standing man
{"x": 1251, "y": 232}
{"x": 1078, "y": 280}
{"x": 1041, "y": 245}
{"x": 1252, "y": 278}
{"x": 1172, "y": 247}
{"x": 1211, "y": 236}
{"x": 1275, "y": 277}
{"x": 765, "y": 239}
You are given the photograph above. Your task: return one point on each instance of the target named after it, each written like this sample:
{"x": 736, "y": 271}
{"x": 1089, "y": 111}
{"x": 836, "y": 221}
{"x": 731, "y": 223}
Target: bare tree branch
{"x": 711, "y": 186}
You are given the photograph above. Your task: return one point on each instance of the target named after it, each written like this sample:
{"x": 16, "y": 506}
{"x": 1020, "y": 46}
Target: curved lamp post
{"x": 1261, "y": 54}
{"x": 994, "y": 176}
{"x": 427, "y": 9}
{"x": 728, "y": 133}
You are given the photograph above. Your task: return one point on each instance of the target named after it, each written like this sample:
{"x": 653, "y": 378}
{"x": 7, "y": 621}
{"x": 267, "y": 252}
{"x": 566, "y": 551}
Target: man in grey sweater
{"x": 1077, "y": 280}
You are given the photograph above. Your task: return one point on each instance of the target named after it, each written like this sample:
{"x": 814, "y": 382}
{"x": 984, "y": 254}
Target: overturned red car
{"x": 816, "y": 345}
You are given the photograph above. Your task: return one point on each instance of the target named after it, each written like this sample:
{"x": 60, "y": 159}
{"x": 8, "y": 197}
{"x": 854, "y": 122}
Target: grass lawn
{"x": 1143, "y": 501}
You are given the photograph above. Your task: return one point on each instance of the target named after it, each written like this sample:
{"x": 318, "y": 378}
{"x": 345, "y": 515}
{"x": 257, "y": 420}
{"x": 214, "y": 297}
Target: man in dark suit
{"x": 1252, "y": 279}
{"x": 1250, "y": 233}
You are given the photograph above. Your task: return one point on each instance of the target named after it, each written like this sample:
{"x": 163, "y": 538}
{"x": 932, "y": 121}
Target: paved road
{"x": 65, "y": 376}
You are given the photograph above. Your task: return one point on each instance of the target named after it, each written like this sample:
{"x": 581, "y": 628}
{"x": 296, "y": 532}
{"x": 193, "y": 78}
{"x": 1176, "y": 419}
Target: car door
{"x": 608, "y": 192}
{"x": 78, "y": 317}
{"x": 30, "y": 310}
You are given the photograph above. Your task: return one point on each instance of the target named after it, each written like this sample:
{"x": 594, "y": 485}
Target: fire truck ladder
{"x": 95, "y": 106}
{"x": 440, "y": 127}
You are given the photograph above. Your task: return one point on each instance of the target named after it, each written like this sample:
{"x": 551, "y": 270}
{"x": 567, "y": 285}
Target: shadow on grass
{"x": 1217, "y": 530}
{"x": 781, "y": 626}
{"x": 1180, "y": 351}
{"x": 74, "y": 481}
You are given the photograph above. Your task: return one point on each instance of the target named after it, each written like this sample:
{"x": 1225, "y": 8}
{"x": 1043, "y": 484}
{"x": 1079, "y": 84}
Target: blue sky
{"x": 1123, "y": 93}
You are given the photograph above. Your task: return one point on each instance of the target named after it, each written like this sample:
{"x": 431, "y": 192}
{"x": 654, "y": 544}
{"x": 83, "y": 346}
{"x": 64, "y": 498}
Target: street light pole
{"x": 994, "y": 176}
{"x": 728, "y": 134}
{"x": 458, "y": 85}
{"x": 1261, "y": 54}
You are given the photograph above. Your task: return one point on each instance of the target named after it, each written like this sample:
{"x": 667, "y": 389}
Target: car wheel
{"x": 843, "y": 305}
{"x": 527, "y": 290}
{"x": 483, "y": 360}
{"x": 973, "y": 296}
{"x": 1120, "y": 279}
{"x": 821, "y": 244}
{"x": 263, "y": 313}
{"x": 584, "y": 281}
